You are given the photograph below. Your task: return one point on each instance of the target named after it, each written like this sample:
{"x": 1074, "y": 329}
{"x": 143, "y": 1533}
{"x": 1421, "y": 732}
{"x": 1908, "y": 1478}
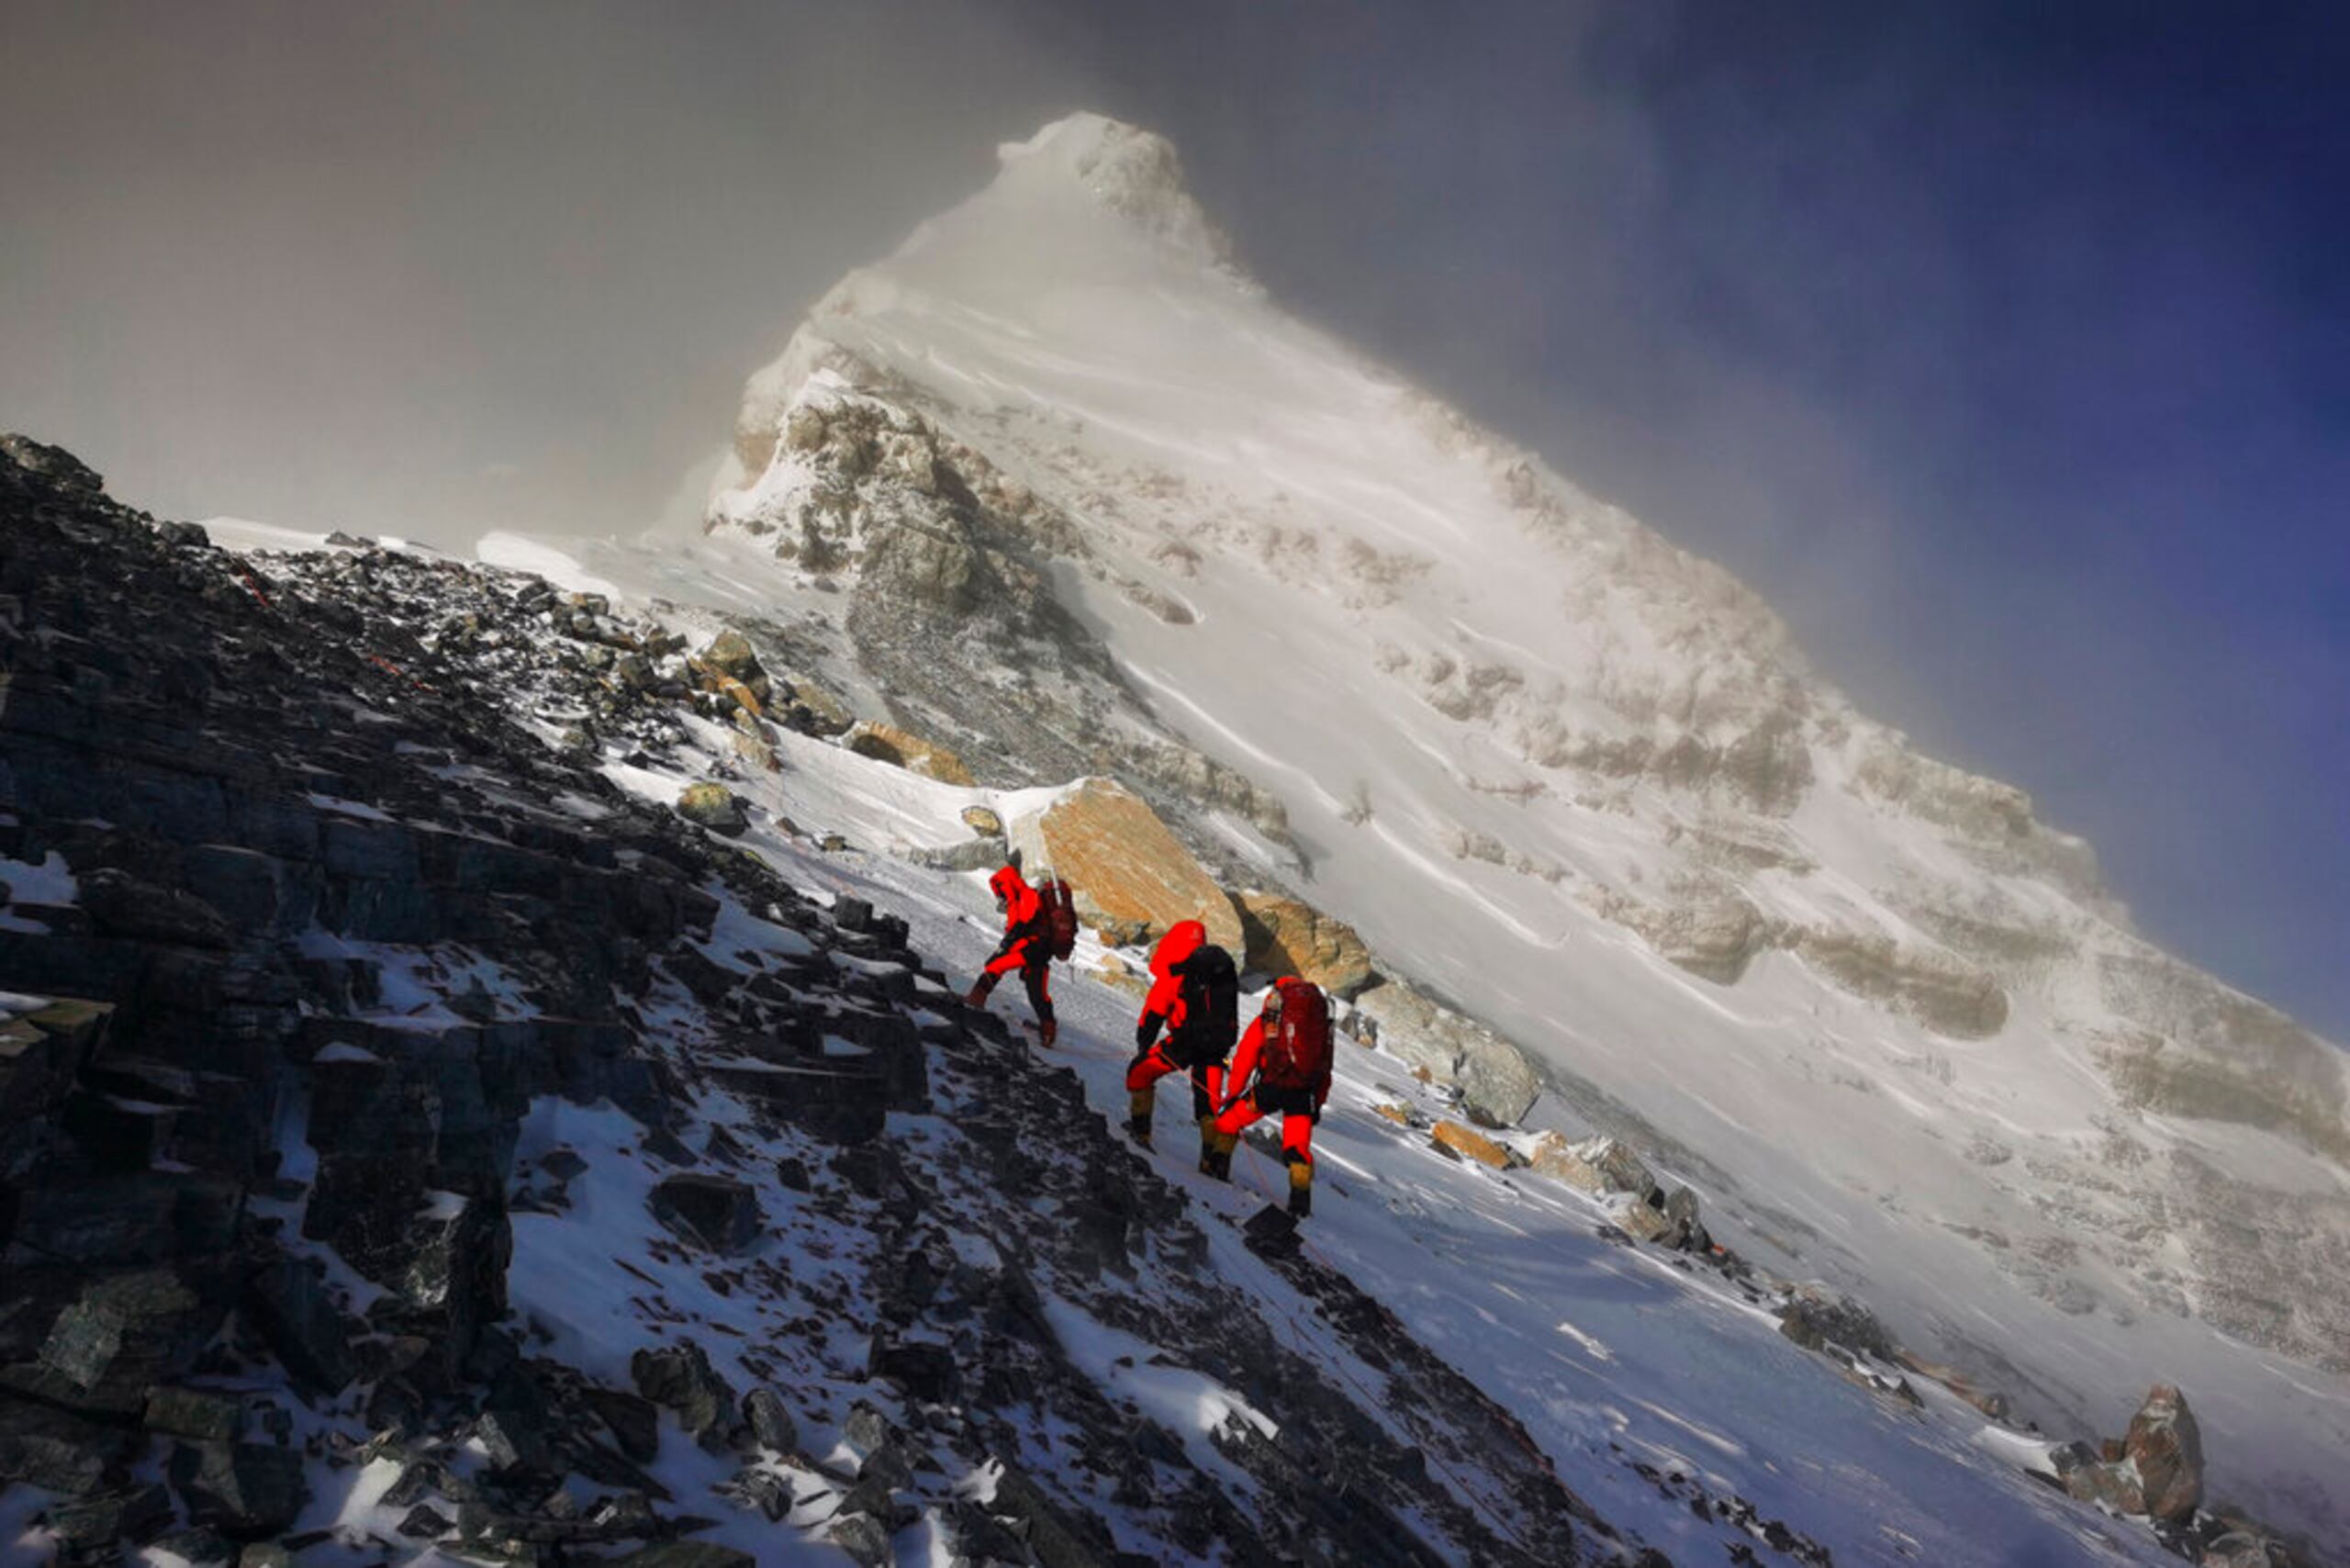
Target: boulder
{"x": 2110, "y": 1484}
{"x": 1624, "y": 1170}
{"x": 42, "y": 1048}
{"x": 730, "y": 654}
{"x": 453, "y": 1283}
{"x": 1497, "y": 1083}
{"x": 194, "y": 1413}
{"x": 2245, "y": 1549}
{"x": 1594, "y": 1165}
{"x": 983, "y": 822}
{"x": 680, "y": 1379}
{"x": 814, "y": 710}
{"x": 1554, "y": 1156}
{"x": 122, "y": 905}
{"x": 711, "y": 1212}
{"x": 971, "y": 854}
{"x": 58, "y": 1451}
{"x": 633, "y": 1420}
{"x": 2166, "y": 1447}
{"x": 310, "y": 1335}
{"x": 1681, "y": 1209}
{"x": 1130, "y": 877}
{"x": 94, "y": 1525}
{"x": 770, "y": 1420}
{"x": 886, "y": 742}
{"x": 713, "y": 806}
{"x": 1470, "y": 1145}
{"x": 1289, "y": 936}
{"x": 121, "y": 1333}
{"x": 244, "y": 1490}
{"x": 1816, "y": 1318}
{"x": 1641, "y": 1219}
{"x": 864, "y": 1539}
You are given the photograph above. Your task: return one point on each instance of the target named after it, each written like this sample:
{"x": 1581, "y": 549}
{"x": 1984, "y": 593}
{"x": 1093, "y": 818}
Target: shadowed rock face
{"x": 1289, "y": 936}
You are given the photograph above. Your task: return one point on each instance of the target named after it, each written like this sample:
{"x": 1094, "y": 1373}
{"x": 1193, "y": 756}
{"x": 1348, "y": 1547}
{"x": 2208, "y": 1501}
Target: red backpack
{"x": 1296, "y": 1051}
{"x": 1059, "y": 916}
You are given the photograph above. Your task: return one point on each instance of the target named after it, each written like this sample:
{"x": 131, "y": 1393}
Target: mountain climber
{"x": 1283, "y": 1067}
{"x": 1195, "y": 998}
{"x": 1027, "y": 947}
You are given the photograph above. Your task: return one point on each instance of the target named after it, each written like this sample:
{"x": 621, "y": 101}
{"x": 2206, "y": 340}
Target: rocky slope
{"x": 1072, "y": 494}
{"x": 414, "y": 1142}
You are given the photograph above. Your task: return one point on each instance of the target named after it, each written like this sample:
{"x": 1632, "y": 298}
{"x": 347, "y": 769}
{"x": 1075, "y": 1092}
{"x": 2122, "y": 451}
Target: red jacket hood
{"x": 1183, "y": 938}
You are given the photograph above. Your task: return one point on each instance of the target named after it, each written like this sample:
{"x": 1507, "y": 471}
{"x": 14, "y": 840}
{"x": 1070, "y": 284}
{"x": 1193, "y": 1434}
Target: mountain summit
{"x": 1099, "y": 504}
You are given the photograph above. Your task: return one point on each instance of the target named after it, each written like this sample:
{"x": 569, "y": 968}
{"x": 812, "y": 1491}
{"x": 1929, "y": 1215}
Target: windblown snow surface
{"x": 1509, "y": 724}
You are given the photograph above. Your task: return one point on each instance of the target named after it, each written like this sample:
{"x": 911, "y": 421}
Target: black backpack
{"x": 1211, "y": 996}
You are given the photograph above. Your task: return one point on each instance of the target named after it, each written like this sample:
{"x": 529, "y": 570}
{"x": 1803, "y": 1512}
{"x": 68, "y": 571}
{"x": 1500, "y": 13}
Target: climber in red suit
{"x": 1282, "y": 1068}
{"x": 1189, "y": 975}
{"x": 1026, "y": 948}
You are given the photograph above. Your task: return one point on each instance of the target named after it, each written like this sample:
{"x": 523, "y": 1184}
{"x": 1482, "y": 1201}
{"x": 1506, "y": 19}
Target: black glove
{"x": 1145, "y": 1031}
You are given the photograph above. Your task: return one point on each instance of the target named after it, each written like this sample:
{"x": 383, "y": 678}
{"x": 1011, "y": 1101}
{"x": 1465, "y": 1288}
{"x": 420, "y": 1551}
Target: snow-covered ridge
{"x": 1584, "y": 781}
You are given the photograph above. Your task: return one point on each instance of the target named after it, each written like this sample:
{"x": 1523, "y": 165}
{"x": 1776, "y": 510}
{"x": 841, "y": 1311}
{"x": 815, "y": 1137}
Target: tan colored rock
{"x": 1132, "y": 879}
{"x": 1399, "y": 1114}
{"x": 745, "y": 698}
{"x": 1554, "y": 1156}
{"x": 1119, "y": 975}
{"x": 886, "y": 742}
{"x": 1594, "y": 1165}
{"x": 1639, "y": 1219}
{"x": 1289, "y": 936}
{"x": 983, "y": 822}
{"x": 731, "y": 654}
{"x": 1470, "y": 1144}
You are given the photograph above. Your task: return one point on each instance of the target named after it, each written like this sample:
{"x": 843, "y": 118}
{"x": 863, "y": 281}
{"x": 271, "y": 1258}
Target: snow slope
{"x": 1536, "y": 754}
{"x": 1612, "y": 1356}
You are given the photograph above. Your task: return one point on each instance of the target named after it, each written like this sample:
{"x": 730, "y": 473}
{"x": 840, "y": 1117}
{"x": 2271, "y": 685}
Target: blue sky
{"x": 2005, "y": 348}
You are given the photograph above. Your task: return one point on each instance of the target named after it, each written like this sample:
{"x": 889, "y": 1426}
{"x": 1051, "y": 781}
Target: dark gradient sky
{"x": 2005, "y": 348}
